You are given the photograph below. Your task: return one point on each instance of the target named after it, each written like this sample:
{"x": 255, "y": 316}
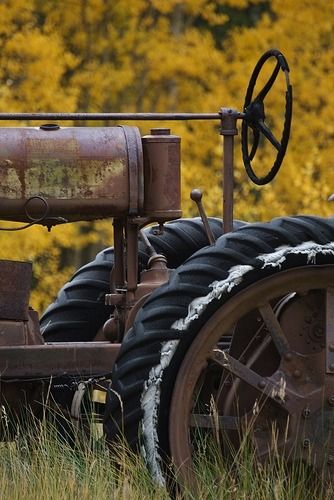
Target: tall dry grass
{"x": 41, "y": 465}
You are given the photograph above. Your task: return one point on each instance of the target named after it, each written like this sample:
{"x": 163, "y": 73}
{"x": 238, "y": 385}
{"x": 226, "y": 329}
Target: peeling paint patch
{"x": 237, "y": 274}
{"x": 150, "y": 401}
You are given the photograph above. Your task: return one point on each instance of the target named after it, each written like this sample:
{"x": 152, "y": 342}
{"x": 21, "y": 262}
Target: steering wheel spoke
{"x": 263, "y": 93}
{"x": 268, "y": 134}
{"x": 256, "y": 139}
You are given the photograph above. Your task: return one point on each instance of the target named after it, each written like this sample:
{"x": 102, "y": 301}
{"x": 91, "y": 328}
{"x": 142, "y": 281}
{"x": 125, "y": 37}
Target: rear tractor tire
{"x": 79, "y": 311}
{"x": 179, "y": 380}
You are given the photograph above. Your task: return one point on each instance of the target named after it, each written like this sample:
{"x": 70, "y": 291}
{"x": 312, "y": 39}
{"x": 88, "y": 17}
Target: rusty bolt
{"x": 331, "y": 400}
{"x": 306, "y": 443}
{"x": 306, "y": 413}
{"x": 297, "y": 373}
{"x": 288, "y": 356}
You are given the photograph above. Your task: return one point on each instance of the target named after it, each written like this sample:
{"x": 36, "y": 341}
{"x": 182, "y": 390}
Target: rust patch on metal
{"x": 83, "y": 179}
{"x": 53, "y": 164}
{"x": 58, "y": 359}
{"x": 83, "y": 173}
{"x": 15, "y": 281}
{"x": 162, "y": 174}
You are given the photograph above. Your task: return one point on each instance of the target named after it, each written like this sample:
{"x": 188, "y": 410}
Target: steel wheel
{"x": 292, "y": 392}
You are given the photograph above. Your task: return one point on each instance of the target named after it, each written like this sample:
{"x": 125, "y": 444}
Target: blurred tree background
{"x": 171, "y": 55}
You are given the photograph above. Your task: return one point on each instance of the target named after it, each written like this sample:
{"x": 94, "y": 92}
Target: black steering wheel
{"x": 255, "y": 118}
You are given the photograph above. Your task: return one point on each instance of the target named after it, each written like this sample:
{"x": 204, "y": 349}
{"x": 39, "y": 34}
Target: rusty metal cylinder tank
{"x": 77, "y": 173}
{"x": 162, "y": 198}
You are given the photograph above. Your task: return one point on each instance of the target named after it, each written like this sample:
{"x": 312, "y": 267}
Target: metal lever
{"x": 196, "y": 196}
{"x": 147, "y": 243}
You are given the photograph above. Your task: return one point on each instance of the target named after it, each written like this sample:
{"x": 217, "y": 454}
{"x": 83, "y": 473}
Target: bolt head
{"x": 306, "y": 413}
{"x": 331, "y": 400}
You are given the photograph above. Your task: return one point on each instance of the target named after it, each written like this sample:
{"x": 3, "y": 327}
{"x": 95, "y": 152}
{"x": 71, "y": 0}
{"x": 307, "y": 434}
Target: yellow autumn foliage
{"x": 173, "y": 55}
{"x": 303, "y": 30}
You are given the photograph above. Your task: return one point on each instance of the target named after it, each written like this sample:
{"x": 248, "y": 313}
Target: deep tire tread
{"x": 88, "y": 286}
{"x": 167, "y": 303}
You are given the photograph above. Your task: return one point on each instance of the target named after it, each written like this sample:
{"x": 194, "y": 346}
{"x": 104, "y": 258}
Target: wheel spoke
{"x": 213, "y": 421}
{"x": 275, "y": 330}
{"x": 256, "y": 135}
{"x": 276, "y": 391}
{"x": 262, "y": 94}
{"x": 268, "y": 134}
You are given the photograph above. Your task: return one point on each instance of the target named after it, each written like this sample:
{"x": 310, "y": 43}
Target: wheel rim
{"x": 293, "y": 388}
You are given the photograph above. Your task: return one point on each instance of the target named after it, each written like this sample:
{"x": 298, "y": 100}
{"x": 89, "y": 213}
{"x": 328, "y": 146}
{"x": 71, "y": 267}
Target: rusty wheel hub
{"x": 275, "y": 383}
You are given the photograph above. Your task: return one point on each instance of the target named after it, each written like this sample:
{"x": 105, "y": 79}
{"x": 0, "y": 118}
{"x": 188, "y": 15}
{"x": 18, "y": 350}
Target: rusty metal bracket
{"x": 135, "y": 155}
{"x": 57, "y": 359}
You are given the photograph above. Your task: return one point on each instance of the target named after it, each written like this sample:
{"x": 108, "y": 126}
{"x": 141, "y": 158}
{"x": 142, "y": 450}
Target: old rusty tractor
{"x": 191, "y": 327}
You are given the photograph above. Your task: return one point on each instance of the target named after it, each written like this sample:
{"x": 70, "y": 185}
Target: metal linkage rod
{"x": 109, "y": 116}
{"x": 112, "y": 116}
